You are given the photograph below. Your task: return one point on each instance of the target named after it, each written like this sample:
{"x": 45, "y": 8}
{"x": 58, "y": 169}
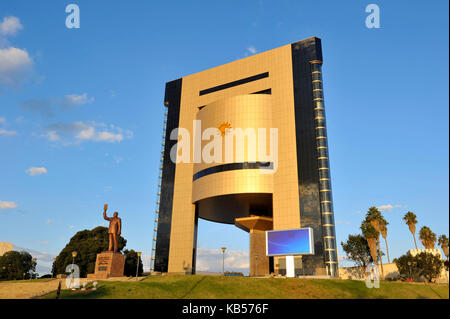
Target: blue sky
{"x": 87, "y": 105}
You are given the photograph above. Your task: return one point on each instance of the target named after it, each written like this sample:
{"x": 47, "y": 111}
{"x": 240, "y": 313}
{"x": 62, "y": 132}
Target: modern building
{"x": 5, "y": 247}
{"x": 279, "y": 89}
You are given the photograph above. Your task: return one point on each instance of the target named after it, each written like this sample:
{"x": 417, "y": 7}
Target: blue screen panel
{"x": 289, "y": 242}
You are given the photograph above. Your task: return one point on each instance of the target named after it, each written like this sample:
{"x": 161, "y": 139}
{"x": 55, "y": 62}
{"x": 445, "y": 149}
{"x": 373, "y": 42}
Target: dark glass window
{"x": 268, "y": 91}
{"x": 328, "y": 231}
{"x": 316, "y": 67}
{"x": 316, "y": 76}
{"x": 317, "y": 94}
{"x": 316, "y": 85}
{"x": 234, "y": 83}
{"x": 232, "y": 167}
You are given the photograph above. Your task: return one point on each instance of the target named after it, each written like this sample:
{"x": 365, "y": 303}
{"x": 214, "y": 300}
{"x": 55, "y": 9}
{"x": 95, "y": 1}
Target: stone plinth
{"x": 108, "y": 264}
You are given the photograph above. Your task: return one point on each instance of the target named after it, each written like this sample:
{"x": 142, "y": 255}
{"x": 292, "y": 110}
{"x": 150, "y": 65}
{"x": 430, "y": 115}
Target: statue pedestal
{"x": 108, "y": 264}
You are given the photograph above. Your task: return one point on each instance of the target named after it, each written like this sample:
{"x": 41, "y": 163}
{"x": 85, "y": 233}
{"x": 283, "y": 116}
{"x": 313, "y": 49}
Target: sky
{"x": 81, "y": 112}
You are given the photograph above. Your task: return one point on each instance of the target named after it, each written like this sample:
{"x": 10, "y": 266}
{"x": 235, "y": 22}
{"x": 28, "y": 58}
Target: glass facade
{"x": 329, "y": 240}
{"x": 172, "y": 101}
{"x": 316, "y": 204}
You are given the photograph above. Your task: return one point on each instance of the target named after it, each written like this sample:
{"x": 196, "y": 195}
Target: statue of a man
{"x": 115, "y": 228}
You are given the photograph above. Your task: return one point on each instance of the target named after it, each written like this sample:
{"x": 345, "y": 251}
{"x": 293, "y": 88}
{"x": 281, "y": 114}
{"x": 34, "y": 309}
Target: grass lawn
{"x": 218, "y": 287}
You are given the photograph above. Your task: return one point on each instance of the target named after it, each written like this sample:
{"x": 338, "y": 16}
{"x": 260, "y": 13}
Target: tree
{"x": 430, "y": 265}
{"x": 370, "y": 234}
{"x": 424, "y": 264}
{"x": 16, "y": 265}
{"x": 383, "y": 231}
{"x": 131, "y": 263}
{"x": 374, "y": 217}
{"x": 427, "y": 237}
{"x": 443, "y": 242}
{"x": 87, "y": 244}
{"x": 357, "y": 250}
{"x": 411, "y": 220}
{"x": 407, "y": 266}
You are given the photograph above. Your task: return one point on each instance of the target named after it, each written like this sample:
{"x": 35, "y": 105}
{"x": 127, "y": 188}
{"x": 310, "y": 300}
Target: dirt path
{"x": 25, "y": 290}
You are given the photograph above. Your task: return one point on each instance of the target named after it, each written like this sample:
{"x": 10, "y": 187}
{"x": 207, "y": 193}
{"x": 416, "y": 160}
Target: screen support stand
{"x": 290, "y": 269}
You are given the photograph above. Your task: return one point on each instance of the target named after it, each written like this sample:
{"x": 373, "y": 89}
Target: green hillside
{"x": 193, "y": 287}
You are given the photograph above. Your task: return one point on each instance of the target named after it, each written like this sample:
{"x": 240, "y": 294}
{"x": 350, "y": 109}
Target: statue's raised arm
{"x": 104, "y": 213}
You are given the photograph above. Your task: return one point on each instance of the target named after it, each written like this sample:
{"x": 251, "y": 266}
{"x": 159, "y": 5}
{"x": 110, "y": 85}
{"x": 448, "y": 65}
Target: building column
{"x": 257, "y": 226}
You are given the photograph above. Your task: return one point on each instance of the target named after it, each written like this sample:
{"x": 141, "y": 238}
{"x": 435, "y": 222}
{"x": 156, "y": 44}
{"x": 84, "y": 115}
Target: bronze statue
{"x": 115, "y": 228}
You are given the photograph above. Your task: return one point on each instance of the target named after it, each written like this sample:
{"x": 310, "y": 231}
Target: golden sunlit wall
{"x": 254, "y": 92}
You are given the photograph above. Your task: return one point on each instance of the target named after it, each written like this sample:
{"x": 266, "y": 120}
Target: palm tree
{"x": 411, "y": 220}
{"x": 383, "y": 230}
{"x": 443, "y": 242}
{"x": 427, "y": 237}
{"x": 374, "y": 217}
{"x": 370, "y": 234}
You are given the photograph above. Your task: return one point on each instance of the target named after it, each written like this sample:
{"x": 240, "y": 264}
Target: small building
{"x": 5, "y": 247}
{"x": 414, "y": 252}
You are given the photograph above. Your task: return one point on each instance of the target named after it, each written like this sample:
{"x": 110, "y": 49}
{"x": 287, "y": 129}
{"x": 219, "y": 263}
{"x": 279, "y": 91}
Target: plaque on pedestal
{"x": 108, "y": 264}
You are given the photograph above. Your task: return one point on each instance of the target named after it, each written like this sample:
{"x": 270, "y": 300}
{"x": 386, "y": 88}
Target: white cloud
{"x": 10, "y": 26}
{"x": 15, "y": 66}
{"x": 252, "y": 49}
{"x": 49, "y": 222}
{"x": 44, "y": 259}
{"x": 343, "y": 222}
{"x": 388, "y": 207}
{"x": 2, "y": 120}
{"x": 47, "y": 107}
{"x": 72, "y": 100}
{"x": 90, "y": 131}
{"x": 211, "y": 260}
{"x": 146, "y": 261}
{"x": 7, "y": 205}
{"x": 33, "y": 171}
{"x": 6, "y": 132}
{"x": 52, "y": 136}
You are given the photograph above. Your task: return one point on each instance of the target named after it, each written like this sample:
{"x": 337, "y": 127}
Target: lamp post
{"x": 137, "y": 264}
{"x": 74, "y": 254}
{"x": 53, "y": 267}
{"x": 223, "y": 260}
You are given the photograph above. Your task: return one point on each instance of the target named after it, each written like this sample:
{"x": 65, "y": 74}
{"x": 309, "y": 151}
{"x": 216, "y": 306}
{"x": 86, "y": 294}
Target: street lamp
{"x": 223, "y": 260}
{"x": 74, "y": 254}
{"x": 137, "y": 264}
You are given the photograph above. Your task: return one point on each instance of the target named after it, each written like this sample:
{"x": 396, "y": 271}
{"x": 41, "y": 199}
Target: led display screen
{"x": 289, "y": 242}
